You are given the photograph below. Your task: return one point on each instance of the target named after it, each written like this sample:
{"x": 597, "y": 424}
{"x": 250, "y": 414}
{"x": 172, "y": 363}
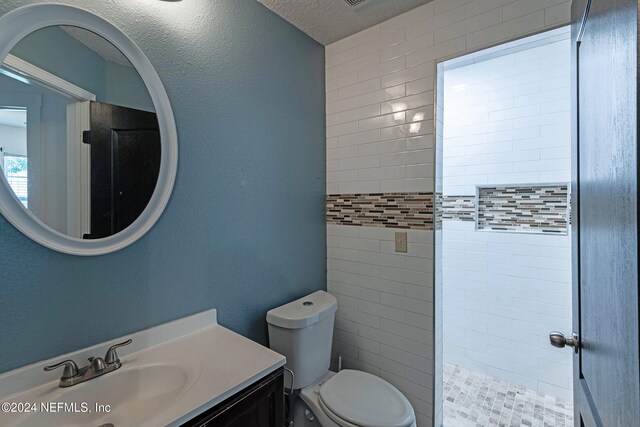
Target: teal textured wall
{"x": 245, "y": 228}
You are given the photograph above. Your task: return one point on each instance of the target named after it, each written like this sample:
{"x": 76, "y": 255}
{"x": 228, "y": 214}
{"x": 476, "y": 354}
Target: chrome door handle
{"x": 559, "y": 341}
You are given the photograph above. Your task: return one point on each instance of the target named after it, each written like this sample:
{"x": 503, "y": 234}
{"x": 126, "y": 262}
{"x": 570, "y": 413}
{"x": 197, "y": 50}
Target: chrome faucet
{"x": 97, "y": 366}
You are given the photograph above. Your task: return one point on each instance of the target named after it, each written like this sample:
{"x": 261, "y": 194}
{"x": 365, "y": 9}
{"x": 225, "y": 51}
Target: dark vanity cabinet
{"x": 259, "y": 405}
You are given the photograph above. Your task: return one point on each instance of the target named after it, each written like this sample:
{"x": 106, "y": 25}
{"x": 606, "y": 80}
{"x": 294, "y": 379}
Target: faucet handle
{"x": 112, "y": 355}
{"x": 70, "y": 368}
{"x": 97, "y": 364}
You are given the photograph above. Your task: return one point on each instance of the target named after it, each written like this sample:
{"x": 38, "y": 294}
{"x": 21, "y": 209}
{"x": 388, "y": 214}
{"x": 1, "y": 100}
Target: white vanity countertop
{"x": 190, "y": 373}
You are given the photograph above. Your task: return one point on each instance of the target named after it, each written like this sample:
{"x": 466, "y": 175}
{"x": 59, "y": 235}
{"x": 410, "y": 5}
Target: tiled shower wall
{"x": 506, "y": 122}
{"x": 380, "y": 139}
{"x": 507, "y": 119}
{"x": 503, "y": 294}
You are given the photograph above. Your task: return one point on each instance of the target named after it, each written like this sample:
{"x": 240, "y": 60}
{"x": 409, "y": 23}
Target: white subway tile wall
{"x": 384, "y": 323}
{"x": 380, "y": 138}
{"x": 502, "y": 295}
{"x": 380, "y": 86}
{"x": 506, "y": 121}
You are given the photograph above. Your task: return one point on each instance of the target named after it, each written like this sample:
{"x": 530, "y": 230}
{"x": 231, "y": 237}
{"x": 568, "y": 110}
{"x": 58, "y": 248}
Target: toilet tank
{"x": 302, "y": 331}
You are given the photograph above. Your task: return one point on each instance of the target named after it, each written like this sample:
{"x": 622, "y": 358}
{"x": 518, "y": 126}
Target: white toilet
{"x": 302, "y": 330}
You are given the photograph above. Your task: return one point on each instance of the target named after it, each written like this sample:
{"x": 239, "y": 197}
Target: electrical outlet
{"x": 401, "y": 241}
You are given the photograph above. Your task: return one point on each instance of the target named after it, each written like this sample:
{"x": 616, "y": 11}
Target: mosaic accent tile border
{"x": 459, "y": 208}
{"x": 530, "y": 208}
{"x": 438, "y": 209}
{"x": 391, "y": 210}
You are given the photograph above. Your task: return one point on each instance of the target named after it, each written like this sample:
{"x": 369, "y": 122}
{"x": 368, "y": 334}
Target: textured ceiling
{"x": 99, "y": 45}
{"x": 328, "y": 21}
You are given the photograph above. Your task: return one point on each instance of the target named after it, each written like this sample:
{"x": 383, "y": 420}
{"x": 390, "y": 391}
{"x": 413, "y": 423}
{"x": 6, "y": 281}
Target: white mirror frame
{"x": 21, "y": 22}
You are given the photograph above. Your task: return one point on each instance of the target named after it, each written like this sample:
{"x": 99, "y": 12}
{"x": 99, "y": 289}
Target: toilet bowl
{"x": 302, "y": 330}
{"x": 354, "y": 399}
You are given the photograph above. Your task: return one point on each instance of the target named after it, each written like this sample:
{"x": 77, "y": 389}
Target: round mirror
{"x": 88, "y": 145}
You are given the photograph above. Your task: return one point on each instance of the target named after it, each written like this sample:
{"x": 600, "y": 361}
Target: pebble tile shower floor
{"x": 472, "y": 399}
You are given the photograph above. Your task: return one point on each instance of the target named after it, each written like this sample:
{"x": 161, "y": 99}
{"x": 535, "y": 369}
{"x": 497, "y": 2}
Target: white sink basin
{"x": 133, "y": 395}
{"x": 170, "y": 374}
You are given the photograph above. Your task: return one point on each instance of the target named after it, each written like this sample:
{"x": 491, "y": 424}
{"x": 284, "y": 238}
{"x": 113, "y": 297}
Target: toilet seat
{"x": 356, "y": 398}
{"x": 333, "y": 417}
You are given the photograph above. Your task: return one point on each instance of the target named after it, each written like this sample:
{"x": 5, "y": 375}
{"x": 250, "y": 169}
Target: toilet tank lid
{"x": 304, "y": 311}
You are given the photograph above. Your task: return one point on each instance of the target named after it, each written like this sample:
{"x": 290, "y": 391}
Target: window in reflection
{"x": 13, "y": 146}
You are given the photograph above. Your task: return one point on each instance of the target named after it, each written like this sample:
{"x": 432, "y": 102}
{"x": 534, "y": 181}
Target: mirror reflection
{"x": 79, "y": 137}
